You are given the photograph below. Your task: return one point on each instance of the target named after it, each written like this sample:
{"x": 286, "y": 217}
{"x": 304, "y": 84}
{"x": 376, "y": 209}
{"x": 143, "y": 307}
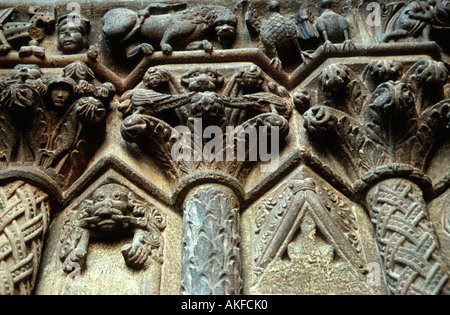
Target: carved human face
{"x": 70, "y": 39}
{"x": 154, "y": 79}
{"x": 60, "y": 96}
{"x": 108, "y": 201}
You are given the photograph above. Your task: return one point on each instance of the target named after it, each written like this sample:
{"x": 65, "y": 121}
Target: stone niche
{"x": 122, "y": 170}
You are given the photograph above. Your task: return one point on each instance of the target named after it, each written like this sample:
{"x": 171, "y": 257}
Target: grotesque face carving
{"x": 208, "y": 107}
{"x": 109, "y": 201}
{"x": 225, "y": 28}
{"x": 26, "y": 72}
{"x": 250, "y": 79}
{"x": 202, "y": 79}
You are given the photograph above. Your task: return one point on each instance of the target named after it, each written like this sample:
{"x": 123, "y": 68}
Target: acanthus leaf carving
{"x": 249, "y": 101}
{"x": 392, "y": 136}
{"x": 48, "y": 118}
{"x": 391, "y": 125}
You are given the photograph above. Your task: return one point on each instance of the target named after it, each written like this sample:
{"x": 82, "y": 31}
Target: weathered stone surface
{"x": 124, "y": 168}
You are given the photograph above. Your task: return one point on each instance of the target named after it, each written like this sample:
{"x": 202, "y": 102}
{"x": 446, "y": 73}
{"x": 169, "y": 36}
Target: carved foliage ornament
{"x": 397, "y": 123}
{"x": 248, "y": 100}
{"x": 387, "y": 129}
{"x": 46, "y": 120}
{"x": 279, "y": 218}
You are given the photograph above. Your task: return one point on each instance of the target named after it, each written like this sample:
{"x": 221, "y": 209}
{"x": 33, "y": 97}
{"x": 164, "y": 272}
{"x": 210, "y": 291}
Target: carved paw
{"x": 208, "y": 47}
{"x": 306, "y": 57}
{"x": 93, "y": 53}
{"x": 167, "y": 49}
{"x": 135, "y": 255}
{"x": 27, "y": 51}
{"x": 329, "y": 46}
{"x": 143, "y": 49}
{"x": 349, "y": 45}
{"x": 276, "y": 63}
{"x": 76, "y": 260}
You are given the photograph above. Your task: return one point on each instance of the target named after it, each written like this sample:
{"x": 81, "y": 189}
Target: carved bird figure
{"x": 277, "y": 31}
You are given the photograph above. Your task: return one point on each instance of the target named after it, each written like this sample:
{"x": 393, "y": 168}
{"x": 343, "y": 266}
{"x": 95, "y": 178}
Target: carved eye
{"x": 212, "y": 75}
{"x": 99, "y": 198}
{"x": 195, "y": 75}
{"x": 118, "y": 196}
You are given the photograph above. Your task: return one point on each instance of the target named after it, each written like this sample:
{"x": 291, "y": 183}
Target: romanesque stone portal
{"x": 225, "y": 148}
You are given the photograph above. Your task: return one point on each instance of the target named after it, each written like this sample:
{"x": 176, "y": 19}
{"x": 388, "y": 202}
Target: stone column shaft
{"x": 406, "y": 239}
{"x": 211, "y": 240}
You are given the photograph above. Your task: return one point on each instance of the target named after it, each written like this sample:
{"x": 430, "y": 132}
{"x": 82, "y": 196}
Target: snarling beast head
{"x": 217, "y": 18}
{"x": 225, "y": 25}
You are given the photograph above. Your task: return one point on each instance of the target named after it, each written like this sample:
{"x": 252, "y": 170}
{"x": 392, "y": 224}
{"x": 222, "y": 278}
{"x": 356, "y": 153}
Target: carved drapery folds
{"x": 389, "y": 131}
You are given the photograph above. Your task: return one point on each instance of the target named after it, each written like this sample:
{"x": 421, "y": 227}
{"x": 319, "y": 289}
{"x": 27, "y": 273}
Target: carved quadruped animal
{"x": 186, "y": 29}
{"x": 416, "y": 18}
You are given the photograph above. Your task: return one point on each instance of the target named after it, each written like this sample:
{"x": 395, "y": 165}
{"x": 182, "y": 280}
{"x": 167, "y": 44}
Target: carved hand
{"x": 135, "y": 254}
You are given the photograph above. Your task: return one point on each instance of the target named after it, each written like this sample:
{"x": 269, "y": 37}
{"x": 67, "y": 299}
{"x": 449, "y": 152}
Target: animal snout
{"x": 226, "y": 30}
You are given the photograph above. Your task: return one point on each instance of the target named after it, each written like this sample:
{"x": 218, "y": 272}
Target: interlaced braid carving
{"x": 407, "y": 243}
{"x": 24, "y": 219}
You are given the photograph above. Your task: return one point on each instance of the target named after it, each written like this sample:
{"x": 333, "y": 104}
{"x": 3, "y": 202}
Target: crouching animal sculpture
{"x": 189, "y": 29}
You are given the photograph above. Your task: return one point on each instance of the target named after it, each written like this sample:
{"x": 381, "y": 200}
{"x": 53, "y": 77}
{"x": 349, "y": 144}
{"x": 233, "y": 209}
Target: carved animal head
{"x": 383, "y": 71}
{"x": 203, "y": 79}
{"x": 225, "y": 25}
{"x": 334, "y": 78}
{"x": 109, "y": 201}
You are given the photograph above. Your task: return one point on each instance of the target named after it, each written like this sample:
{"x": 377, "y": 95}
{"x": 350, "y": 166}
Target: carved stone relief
{"x": 225, "y": 148}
